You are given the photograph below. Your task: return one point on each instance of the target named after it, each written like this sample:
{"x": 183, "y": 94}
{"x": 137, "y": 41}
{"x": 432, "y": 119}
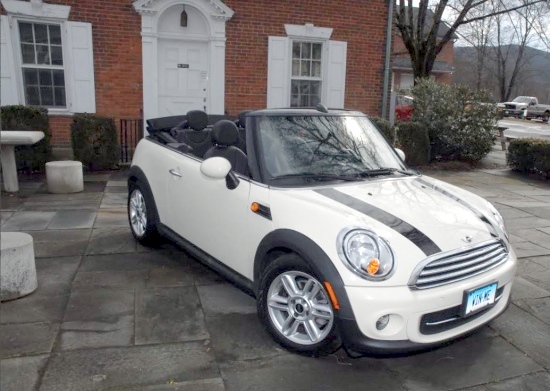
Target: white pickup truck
{"x": 525, "y": 107}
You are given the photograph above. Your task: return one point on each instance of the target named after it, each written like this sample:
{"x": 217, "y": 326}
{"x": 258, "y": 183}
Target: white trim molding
{"x": 308, "y": 30}
{"x": 36, "y": 9}
{"x": 216, "y": 14}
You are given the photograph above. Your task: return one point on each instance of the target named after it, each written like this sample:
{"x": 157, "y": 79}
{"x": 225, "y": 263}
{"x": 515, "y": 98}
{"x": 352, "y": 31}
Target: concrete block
{"x": 18, "y": 270}
{"x": 64, "y": 176}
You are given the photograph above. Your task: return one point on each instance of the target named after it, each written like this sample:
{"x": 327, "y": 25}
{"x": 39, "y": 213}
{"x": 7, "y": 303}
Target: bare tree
{"x": 419, "y": 26}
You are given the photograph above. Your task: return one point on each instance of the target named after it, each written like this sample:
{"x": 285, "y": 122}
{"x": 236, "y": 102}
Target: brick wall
{"x": 118, "y": 59}
{"x": 362, "y": 26}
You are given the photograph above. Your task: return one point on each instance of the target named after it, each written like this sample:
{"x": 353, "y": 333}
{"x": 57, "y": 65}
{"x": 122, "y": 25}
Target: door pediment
{"x": 217, "y": 8}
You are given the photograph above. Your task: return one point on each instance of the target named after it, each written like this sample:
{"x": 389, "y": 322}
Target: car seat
{"x": 226, "y": 136}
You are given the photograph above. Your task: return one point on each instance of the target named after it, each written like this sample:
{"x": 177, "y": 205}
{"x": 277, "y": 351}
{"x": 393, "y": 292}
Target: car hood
{"x": 419, "y": 214}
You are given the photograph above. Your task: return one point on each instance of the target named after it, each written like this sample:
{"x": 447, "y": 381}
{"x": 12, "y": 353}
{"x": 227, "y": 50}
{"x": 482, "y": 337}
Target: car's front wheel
{"x": 295, "y": 307}
{"x": 141, "y": 215}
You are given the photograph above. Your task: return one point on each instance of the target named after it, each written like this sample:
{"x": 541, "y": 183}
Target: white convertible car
{"x": 313, "y": 213}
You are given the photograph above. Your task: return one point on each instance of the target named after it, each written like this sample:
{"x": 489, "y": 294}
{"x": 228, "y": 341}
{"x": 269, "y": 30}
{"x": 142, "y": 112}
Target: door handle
{"x": 175, "y": 172}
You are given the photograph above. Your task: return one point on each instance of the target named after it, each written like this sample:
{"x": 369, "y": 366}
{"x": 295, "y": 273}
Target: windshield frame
{"x": 253, "y": 124}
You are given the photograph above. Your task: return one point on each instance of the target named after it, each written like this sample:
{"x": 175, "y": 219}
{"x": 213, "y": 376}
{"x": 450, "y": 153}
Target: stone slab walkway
{"x": 110, "y": 314}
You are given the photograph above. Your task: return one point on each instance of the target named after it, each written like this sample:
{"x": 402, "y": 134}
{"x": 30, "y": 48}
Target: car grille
{"x": 511, "y": 107}
{"x": 446, "y": 268}
{"x": 449, "y": 318}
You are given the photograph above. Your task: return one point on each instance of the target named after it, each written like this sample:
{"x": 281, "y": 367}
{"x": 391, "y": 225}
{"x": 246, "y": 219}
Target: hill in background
{"x": 534, "y": 79}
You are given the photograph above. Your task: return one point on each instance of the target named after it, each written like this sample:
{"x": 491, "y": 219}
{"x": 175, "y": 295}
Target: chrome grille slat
{"x": 460, "y": 264}
{"x": 468, "y": 254}
{"x": 428, "y": 270}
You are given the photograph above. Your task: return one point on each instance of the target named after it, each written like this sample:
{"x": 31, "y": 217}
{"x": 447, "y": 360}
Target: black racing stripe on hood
{"x": 414, "y": 235}
{"x": 479, "y": 215}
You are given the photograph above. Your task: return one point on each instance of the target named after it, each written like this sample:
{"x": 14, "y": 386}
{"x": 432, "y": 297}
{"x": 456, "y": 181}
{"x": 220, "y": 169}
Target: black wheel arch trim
{"x": 139, "y": 175}
{"x": 313, "y": 255}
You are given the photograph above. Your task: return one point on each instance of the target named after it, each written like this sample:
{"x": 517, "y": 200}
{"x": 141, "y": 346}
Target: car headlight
{"x": 365, "y": 253}
{"x": 498, "y": 219}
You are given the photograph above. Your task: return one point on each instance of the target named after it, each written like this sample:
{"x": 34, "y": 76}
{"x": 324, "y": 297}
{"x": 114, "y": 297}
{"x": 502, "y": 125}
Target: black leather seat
{"x": 193, "y": 133}
{"x": 226, "y": 136}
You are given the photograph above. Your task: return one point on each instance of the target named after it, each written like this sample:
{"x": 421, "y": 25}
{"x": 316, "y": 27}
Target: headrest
{"x": 225, "y": 132}
{"x": 197, "y": 119}
{"x": 242, "y": 118}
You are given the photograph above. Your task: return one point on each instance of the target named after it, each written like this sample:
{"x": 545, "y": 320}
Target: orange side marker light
{"x": 332, "y": 296}
{"x": 255, "y": 207}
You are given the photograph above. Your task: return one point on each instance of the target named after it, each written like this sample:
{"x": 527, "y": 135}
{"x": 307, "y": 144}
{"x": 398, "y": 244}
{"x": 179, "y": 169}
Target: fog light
{"x": 382, "y": 322}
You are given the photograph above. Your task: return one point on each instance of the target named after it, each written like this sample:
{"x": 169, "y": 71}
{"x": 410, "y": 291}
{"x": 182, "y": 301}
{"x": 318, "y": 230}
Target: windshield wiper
{"x": 385, "y": 171}
{"x": 314, "y": 176}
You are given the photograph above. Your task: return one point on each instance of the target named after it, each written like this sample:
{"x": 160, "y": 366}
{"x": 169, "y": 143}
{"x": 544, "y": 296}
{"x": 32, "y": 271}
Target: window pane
{"x": 306, "y": 50}
{"x": 316, "y": 69}
{"x": 295, "y": 67}
{"x": 296, "y": 50}
{"x": 317, "y": 50}
{"x": 294, "y": 100}
{"x": 58, "y": 78}
{"x": 25, "y": 32}
{"x": 305, "y": 68}
{"x": 46, "y": 95}
{"x": 45, "y": 77}
{"x": 40, "y": 33}
{"x": 32, "y": 96}
{"x": 55, "y": 34}
{"x": 27, "y": 52}
{"x": 59, "y": 96}
{"x": 57, "y": 55}
{"x": 304, "y": 101}
{"x": 30, "y": 77}
{"x": 43, "y": 54}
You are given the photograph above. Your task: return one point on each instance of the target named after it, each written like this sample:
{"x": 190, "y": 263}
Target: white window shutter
{"x": 336, "y": 74}
{"x": 8, "y": 83}
{"x": 278, "y": 79}
{"x": 81, "y": 67}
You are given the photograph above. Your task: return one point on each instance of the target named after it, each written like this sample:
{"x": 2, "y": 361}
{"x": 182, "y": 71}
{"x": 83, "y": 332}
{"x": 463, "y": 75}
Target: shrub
{"x": 529, "y": 155}
{"x": 385, "y": 127}
{"x": 460, "y": 122}
{"x": 29, "y": 157}
{"x": 94, "y": 141}
{"x": 415, "y": 142}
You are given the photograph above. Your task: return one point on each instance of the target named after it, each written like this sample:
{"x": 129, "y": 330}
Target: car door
{"x": 207, "y": 213}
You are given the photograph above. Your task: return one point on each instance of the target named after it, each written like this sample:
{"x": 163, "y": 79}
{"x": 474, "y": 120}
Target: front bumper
{"x": 420, "y": 319}
{"x": 514, "y": 112}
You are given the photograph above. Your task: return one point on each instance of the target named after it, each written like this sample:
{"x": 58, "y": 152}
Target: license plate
{"x": 479, "y": 298}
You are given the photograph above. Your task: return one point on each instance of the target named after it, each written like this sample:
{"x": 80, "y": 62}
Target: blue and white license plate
{"x": 479, "y": 298}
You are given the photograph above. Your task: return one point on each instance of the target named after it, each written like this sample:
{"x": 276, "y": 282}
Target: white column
{"x": 9, "y": 168}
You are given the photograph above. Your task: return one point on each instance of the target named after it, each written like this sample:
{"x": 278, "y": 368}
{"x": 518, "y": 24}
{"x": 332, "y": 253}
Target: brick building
{"x": 401, "y": 66}
{"x": 125, "y": 59}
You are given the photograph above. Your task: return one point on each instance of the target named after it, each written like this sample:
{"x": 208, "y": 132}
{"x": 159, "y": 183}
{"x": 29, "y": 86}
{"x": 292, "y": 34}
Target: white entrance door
{"x": 183, "y": 76}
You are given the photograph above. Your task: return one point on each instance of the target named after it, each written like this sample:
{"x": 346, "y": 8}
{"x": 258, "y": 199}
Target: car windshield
{"x": 522, "y": 99}
{"x": 315, "y": 148}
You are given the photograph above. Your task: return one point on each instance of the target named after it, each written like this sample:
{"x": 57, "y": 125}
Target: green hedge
{"x": 29, "y": 157}
{"x": 415, "y": 142}
{"x": 94, "y": 141}
{"x": 529, "y": 155}
{"x": 385, "y": 127}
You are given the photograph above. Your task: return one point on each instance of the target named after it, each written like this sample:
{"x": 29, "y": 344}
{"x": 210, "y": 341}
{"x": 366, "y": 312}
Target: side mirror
{"x": 216, "y": 167}
{"x": 400, "y": 153}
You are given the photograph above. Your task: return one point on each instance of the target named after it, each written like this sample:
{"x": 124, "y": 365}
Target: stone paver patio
{"x": 110, "y": 314}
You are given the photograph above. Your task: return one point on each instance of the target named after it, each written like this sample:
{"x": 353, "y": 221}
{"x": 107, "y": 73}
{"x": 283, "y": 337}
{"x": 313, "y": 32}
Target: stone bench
{"x": 17, "y": 268}
{"x": 64, "y": 176}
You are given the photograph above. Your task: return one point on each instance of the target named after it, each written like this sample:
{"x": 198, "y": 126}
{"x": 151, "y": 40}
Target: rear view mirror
{"x": 400, "y": 153}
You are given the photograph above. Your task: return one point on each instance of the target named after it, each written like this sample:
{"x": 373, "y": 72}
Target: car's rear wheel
{"x": 141, "y": 215}
{"x": 295, "y": 307}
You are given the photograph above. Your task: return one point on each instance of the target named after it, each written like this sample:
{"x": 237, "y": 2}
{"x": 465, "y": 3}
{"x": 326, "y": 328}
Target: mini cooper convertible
{"x": 313, "y": 213}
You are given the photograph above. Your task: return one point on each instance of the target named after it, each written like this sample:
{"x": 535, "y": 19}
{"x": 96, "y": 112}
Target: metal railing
{"x": 130, "y": 132}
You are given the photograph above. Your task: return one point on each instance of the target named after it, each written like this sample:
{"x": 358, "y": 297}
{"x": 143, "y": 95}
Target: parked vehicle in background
{"x": 525, "y": 107}
{"x": 404, "y": 108}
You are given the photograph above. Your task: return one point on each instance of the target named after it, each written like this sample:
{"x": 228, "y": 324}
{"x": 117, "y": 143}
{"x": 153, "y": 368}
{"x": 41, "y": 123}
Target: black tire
{"x": 286, "y": 265}
{"x": 145, "y": 232}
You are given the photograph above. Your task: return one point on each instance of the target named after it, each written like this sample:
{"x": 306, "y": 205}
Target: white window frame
{"x": 16, "y": 36}
{"x": 333, "y": 65}
{"x": 76, "y": 46}
{"x": 322, "y": 76}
